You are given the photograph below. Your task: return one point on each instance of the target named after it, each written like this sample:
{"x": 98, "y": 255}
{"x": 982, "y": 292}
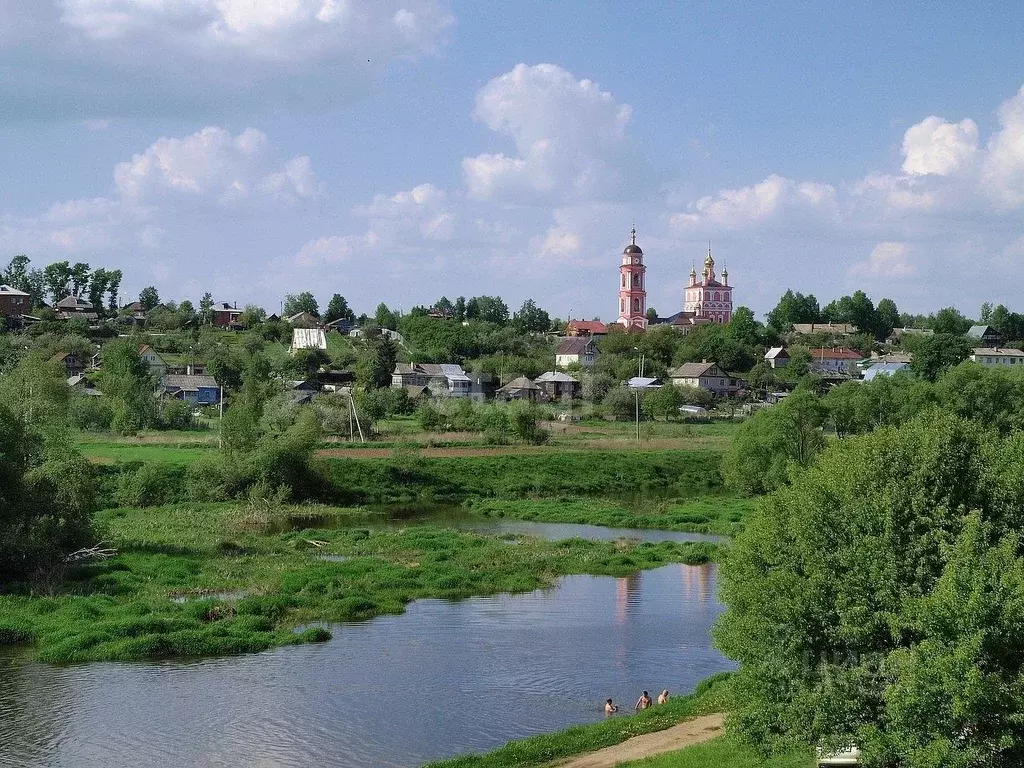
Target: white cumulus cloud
{"x": 767, "y": 202}
{"x": 935, "y": 146}
{"x": 569, "y": 136}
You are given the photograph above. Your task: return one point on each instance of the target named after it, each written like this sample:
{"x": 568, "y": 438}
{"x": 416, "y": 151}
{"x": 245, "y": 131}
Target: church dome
{"x": 633, "y": 248}
{"x": 708, "y": 261}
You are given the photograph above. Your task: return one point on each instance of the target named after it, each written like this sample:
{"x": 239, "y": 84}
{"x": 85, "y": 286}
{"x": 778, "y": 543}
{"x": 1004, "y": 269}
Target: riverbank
{"x": 650, "y": 739}
{"x": 204, "y": 579}
{"x": 710, "y": 696}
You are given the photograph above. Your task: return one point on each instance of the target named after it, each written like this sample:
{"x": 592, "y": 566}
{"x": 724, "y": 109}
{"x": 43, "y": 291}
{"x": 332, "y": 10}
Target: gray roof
{"x": 979, "y": 331}
{"x": 775, "y": 353}
{"x": 644, "y": 382}
{"x": 9, "y": 291}
{"x": 691, "y": 370}
{"x": 574, "y": 345}
{"x": 517, "y": 384}
{"x": 997, "y": 352}
{"x": 73, "y": 302}
{"x": 181, "y": 381}
{"x": 557, "y": 376}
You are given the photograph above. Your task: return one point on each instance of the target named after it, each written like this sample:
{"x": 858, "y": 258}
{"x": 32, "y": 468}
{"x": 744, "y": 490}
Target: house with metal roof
{"x": 308, "y": 338}
{"x": 576, "y": 350}
{"x": 201, "y": 390}
{"x": 442, "y": 379}
{"x": 985, "y": 336}
{"x": 521, "y": 388}
{"x": 884, "y": 369}
{"x": 997, "y": 356}
{"x": 13, "y": 303}
{"x": 777, "y": 357}
{"x": 556, "y": 385}
{"x": 706, "y": 375}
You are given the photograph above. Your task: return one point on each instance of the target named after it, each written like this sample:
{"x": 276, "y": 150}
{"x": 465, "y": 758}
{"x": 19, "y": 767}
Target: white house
{"x": 777, "y": 357}
{"x": 576, "y": 350}
{"x": 706, "y": 376}
{"x": 997, "y": 356}
{"x": 157, "y": 365}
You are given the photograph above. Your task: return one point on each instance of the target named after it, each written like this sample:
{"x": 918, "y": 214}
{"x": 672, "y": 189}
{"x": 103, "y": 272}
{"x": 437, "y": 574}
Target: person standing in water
{"x": 610, "y": 708}
{"x": 643, "y": 702}
{"x": 663, "y": 698}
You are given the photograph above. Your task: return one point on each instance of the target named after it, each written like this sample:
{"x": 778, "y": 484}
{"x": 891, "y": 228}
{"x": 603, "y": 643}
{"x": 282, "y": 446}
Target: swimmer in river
{"x": 610, "y": 708}
{"x": 643, "y": 702}
{"x": 663, "y": 697}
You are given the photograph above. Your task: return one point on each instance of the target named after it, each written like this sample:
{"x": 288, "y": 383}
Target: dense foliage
{"x": 877, "y": 600}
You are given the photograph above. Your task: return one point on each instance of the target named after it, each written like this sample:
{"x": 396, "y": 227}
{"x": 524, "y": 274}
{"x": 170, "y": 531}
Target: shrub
{"x": 90, "y": 414}
{"x": 522, "y": 422}
{"x": 151, "y": 485}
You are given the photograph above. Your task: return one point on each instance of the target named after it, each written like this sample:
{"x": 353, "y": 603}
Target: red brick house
{"x": 226, "y": 316}
{"x": 13, "y": 303}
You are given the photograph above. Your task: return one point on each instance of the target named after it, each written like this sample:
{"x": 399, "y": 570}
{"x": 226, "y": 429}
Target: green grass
{"x": 710, "y": 696}
{"x": 122, "y": 452}
{"x": 586, "y": 473}
{"x": 121, "y": 608}
{"x": 724, "y": 752}
{"x": 722, "y": 515}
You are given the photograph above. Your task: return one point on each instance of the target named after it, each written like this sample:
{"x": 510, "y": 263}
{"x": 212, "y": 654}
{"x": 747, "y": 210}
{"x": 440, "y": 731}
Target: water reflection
{"x": 445, "y": 678}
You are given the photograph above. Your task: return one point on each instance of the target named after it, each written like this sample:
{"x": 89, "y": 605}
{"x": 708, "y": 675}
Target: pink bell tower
{"x": 632, "y": 291}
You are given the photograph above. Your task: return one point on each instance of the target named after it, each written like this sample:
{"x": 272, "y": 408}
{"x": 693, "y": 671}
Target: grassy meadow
{"x": 194, "y": 580}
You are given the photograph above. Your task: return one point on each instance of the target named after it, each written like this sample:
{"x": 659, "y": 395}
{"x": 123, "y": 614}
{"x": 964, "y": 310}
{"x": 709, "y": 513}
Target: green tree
{"x": 113, "y": 286}
{"x": 663, "y": 402}
{"x": 126, "y": 381}
{"x": 742, "y": 327}
{"x": 523, "y": 423}
{"x": 301, "y": 302}
{"x": 98, "y": 282}
{"x": 875, "y": 601}
{"x": 531, "y": 318}
{"x": 57, "y": 279}
{"x": 794, "y": 308}
{"x": 385, "y": 318}
{"x": 79, "y": 278}
{"x": 16, "y": 273}
{"x": 948, "y": 320}
{"x": 376, "y": 365}
{"x": 887, "y": 317}
{"x": 338, "y": 309}
{"x": 937, "y": 353}
{"x": 149, "y": 298}
{"x": 775, "y": 439}
{"x": 206, "y": 309}
{"x": 252, "y": 315}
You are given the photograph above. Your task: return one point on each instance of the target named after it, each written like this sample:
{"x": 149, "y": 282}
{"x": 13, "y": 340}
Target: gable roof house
{"x": 442, "y": 379}
{"x": 202, "y": 390}
{"x": 308, "y": 338}
{"x": 707, "y": 376}
{"x": 777, "y": 357}
{"x": 576, "y": 350}
{"x": 586, "y": 328}
{"x": 74, "y": 364}
{"x": 556, "y": 385}
{"x": 997, "y": 356}
{"x": 226, "y": 316}
{"x": 985, "y": 336}
{"x": 157, "y": 365}
{"x": 303, "y": 320}
{"x": 13, "y": 303}
{"x": 835, "y": 360}
{"x": 75, "y": 306}
{"x": 520, "y": 388}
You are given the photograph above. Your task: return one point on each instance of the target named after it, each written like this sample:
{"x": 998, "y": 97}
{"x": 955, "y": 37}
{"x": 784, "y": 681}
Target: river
{"x": 442, "y": 679}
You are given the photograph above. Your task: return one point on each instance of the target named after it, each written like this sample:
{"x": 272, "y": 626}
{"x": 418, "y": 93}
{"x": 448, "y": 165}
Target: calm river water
{"x": 442, "y": 679}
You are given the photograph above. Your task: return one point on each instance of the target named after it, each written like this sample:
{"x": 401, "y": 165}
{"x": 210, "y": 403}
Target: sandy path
{"x": 685, "y": 734}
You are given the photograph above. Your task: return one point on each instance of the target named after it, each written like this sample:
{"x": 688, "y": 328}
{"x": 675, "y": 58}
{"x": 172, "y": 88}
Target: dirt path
{"x": 687, "y": 733}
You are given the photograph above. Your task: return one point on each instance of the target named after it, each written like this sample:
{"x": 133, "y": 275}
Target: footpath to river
{"x": 685, "y": 734}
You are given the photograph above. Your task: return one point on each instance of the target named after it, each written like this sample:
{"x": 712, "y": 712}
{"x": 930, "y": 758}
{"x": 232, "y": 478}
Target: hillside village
{"x": 688, "y": 365}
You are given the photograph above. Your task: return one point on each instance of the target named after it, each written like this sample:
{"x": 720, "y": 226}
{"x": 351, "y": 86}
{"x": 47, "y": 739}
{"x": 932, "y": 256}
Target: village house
{"x": 707, "y": 376}
{"x": 201, "y": 390}
{"x": 74, "y": 364}
{"x": 13, "y": 303}
{"x": 586, "y": 328}
{"x": 442, "y": 379}
{"x": 75, "y": 307}
{"x": 576, "y": 350}
{"x": 520, "y": 388}
{"x": 308, "y": 338}
{"x": 985, "y": 336}
{"x": 832, "y": 329}
{"x": 556, "y": 385}
{"x": 884, "y": 369}
{"x": 835, "y": 360}
{"x": 777, "y": 357}
{"x": 303, "y": 320}
{"x": 226, "y": 316}
{"x": 157, "y": 365}
{"x": 997, "y": 356}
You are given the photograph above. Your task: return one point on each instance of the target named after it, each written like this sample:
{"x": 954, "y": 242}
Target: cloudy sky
{"x": 398, "y": 150}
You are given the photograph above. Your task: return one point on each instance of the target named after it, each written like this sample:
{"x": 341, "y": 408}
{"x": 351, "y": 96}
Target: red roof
{"x": 587, "y": 326}
{"x": 836, "y": 354}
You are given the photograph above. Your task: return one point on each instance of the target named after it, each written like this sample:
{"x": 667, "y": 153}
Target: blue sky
{"x": 398, "y": 150}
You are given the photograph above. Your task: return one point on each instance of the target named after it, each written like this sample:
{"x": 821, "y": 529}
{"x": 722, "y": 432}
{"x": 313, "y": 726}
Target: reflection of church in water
{"x": 706, "y": 298}
{"x": 698, "y": 587}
